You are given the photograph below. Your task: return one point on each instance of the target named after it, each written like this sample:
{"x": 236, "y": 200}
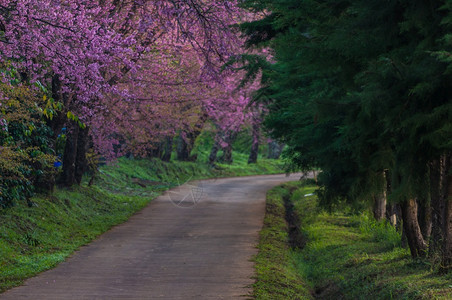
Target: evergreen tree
{"x": 360, "y": 90}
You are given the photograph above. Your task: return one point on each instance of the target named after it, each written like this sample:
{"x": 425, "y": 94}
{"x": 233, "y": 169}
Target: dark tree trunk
{"x": 393, "y": 215}
{"x": 447, "y": 256}
{"x": 227, "y": 150}
{"x": 379, "y": 199}
{"x": 155, "y": 151}
{"x": 227, "y": 155}
{"x": 167, "y": 149}
{"x": 81, "y": 164}
{"x": 70, "y": 155}
{"x": 58, "y": 120}
{"x": 215, "y": 149}
{"x": 252, "y": 159}
{"x": 185, "y": 145}
{"x": 446, "y": 261}
{"x": 274, "y": 150}
{"x": 425, "y": 219}
{"x": 438, "y": 204}
{"x": 392, "y": 210}
{"x": 412, "y": 230}
{"x": 403, "y": 238}
{"x": 182, "y": 149}
{"x": 379, "y": 207}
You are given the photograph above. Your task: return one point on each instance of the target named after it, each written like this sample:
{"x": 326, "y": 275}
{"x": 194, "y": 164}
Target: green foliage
{"x": 70, "y": 116}
{"x": 358, "y": 88}
{"x": 26, "y": 159}
{"x": 381, "y": 232}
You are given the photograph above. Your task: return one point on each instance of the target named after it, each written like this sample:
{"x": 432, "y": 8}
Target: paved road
{"x": 169, "y": 252}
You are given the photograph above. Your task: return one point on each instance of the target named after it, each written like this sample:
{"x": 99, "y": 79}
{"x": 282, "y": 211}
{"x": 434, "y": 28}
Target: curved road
{"x": 167, "y": 251}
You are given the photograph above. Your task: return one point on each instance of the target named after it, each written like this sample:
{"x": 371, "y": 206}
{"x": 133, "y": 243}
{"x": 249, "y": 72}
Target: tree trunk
{"x": 80, "y": 159}
{"x": 227, "y": 154}
{"x": 392, "y": 210}
{"x": 183, "y": 153}
{"x": 185, "y": 145}
{"x": 393, "y": 214}
{"x": 403, "y": 238}
{"x": 252, "y": 159}
{"x": 167, "y": 149}
{"x": 379, "y": 207}
{"x": 379, "y": 200}
{"x": 446, "y": 261}
{"x": 155, "y": 150}
{"x": 425, "y": 219}
{"x": 215, "y": 148}
{"x": 70, "y": 155}
{"x": 59, "y": 119}
{"x": 227, "y": 150}
{"x": 412, "y": 230}
{"x": 438, "y": 204}
{"x": 214, "y": 152}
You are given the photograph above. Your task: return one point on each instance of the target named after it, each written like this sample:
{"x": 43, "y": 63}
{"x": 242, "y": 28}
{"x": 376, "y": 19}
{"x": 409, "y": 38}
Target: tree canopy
{"x": 118, "y": 77}
{"x": 362, "y": 91}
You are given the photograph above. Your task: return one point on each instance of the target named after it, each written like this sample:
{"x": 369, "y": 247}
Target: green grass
{"x": 37, "y": 238}
{"x": 354, "y": 257}
{"x": 276, "y": 275}
{"x": 34, "y": 239}
{"x": 125, "y": 175}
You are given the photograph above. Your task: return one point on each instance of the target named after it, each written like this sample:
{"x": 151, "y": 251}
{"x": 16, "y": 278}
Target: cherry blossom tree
{"x": 132, "y": 73}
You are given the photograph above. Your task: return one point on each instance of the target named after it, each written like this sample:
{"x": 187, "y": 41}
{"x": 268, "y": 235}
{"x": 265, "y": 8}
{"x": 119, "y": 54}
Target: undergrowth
{"x": 347, "y": 257}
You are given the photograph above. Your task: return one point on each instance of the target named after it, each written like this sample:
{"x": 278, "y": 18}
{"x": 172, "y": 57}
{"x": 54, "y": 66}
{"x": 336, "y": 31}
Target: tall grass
{"x": 381, "y": 232}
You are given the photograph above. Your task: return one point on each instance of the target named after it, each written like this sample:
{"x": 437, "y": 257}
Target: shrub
{"x": 26, "y": 159}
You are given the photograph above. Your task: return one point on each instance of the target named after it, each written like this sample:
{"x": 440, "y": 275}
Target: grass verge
{"x": 349, "y": 257}
{"x": 276, "y": 274}
{"x": 34, "y": 239}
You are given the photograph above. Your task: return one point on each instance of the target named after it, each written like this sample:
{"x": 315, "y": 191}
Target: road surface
{"x": 183, "y": 245}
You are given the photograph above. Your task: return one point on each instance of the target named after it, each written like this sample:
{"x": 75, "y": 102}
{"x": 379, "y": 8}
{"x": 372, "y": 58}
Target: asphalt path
{"x": 195, "y": 242}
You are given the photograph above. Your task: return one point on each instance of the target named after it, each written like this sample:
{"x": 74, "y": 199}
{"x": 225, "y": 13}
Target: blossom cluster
{"x": 134, "y": 71}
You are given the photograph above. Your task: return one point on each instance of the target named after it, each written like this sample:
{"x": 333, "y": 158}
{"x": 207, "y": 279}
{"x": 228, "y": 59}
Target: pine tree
{"x": 360, "y": 90}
